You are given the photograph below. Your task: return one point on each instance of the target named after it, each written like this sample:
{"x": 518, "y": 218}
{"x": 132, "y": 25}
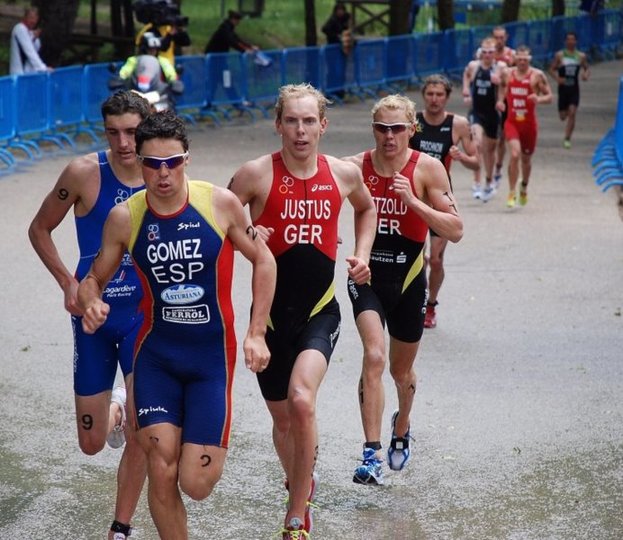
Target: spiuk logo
{"x": 143, "y": 411}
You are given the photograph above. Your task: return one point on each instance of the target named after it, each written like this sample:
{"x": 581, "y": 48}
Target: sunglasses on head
{"x": 155, "y": 163}
{"x": 382, "y": 127}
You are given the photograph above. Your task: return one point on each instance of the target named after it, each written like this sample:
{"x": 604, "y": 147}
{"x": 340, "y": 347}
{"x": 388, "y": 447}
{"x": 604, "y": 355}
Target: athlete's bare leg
{"x": 295, "y": 432}
{"x": 401, "y": 366}
{"x": 436, "y": 272}
{"x": 371, "y": 389}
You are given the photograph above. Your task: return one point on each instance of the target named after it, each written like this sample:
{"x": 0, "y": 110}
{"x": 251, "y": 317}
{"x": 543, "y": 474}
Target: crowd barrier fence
{"x": 63, "y": 105}
{"x": 608, "y": 156}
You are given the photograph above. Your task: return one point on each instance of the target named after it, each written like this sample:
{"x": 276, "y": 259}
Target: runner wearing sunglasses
{"x": 412, "y": 192}
{"x": 439, "y": 133}
{"x": 92, "y": 185}
{"x": 181, "y": 235}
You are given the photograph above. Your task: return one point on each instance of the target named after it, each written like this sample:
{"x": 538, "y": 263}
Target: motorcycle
{"x": 147, "y": 79}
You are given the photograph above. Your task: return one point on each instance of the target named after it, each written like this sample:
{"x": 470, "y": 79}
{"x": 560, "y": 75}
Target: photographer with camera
{"x": 163, "y": 19}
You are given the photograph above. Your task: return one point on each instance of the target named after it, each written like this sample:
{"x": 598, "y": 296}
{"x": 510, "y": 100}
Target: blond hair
{"x": 290, "y": 91}
{"x": 395, "y": 102}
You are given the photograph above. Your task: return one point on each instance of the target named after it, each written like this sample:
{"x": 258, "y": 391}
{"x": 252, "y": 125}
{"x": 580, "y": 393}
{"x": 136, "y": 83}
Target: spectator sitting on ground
{"x": 25, "y": 45}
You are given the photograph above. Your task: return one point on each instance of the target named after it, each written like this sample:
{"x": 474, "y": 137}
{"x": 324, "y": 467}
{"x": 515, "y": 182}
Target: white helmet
{"x": 151, "y": 41}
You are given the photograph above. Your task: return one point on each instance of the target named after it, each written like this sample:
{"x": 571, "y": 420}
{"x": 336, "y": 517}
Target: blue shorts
{"x": 188, "y": 385}
{"x": 96, "y": 356}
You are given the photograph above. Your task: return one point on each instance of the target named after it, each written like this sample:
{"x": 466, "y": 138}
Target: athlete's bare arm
{"x": 435, "y": 202}
{"x": 350, "y": 181}
{"x": 553, "y": 68}
{"x": 586, "y": 71}
{"x": 231, "y": 217}
{"x": 462, "y": 134}
{"x": 502, "y": 89}
{"x": 468, "y": 75}
{"x": 115, "y": 240}
{"x": 76, "y": 187}
{"x": 542, "y": 90}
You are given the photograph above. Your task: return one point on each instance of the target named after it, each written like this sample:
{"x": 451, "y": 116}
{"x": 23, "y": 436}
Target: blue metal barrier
{"x": 66, "y": 111}
{"x": 7, "y": 121}
{"x": 399, "y": 55}
{"x": 94, "y": 92}
{"x": 370, "y": 64}
{"x": 68, "y": 101}
{"x": 429, "y": 54}
{"x": 32, "y": 114}
{"x": 302, "y": 64}
{"x": 338, "y": 71}
{"x": 194, "y": 75}
{"x": 264, "y": 76}
{"x": 608, "y": 157}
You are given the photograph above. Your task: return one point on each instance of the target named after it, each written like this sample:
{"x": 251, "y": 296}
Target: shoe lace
{"x": 301, "y": 534}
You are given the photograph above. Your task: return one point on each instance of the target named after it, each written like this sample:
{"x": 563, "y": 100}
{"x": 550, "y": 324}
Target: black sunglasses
{"x": 156, "y": 162}
{"x": 382, "y": 127}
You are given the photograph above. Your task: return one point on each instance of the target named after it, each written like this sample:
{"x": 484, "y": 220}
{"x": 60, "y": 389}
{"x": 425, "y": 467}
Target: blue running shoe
{"x": 398, "y": 453}
{"x": 370, "y": 471}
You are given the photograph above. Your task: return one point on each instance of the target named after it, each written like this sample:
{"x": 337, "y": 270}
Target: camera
{"x": 159, "y": 13}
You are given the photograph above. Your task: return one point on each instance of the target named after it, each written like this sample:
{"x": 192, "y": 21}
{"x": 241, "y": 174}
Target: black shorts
{"x": 567, "y": 96}
{"x": 490, "y": 123}
{"x": 402, "y": 311}
{"x": 319, "y": 333}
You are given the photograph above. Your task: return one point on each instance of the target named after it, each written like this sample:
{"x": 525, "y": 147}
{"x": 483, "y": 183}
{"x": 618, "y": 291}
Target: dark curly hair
{"x": 124, "y": 102}
{"x": 161, "y": 125}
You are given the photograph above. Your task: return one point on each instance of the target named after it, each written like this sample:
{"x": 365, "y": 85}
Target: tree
{"x": 311, "y": 37}
{"x": 399, "y": 16}
{"x": 510, "y": 10}
{"x": 445, "y": 14}
{"x": 57, "y": 21}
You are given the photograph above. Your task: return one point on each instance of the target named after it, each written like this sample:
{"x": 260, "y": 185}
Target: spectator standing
{"x": 225, "y": 36}
{"x": 337, "y": 30}
{"x": 25, "y": 45}
{"x": 336, "y": 23}
{"x": 224, "y": 39}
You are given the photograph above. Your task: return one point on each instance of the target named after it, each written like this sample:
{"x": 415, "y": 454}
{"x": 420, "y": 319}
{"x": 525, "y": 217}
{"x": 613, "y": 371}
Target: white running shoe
{"x": 116, "y": 438}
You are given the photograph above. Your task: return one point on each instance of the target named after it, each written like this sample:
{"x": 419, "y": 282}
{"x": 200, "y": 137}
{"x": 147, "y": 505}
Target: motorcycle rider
{"x": 148, "y": 71}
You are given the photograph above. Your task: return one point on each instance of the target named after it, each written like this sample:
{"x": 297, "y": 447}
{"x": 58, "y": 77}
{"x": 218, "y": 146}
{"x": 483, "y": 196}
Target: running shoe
{"x": 370, "y": 471}
{"x": 309, "y": 518}
{"x": 116, "y": 438}
{"x": 398, "y": 453}
{"x": 119, "y": 536}
{"x": 476, "y": 191}
{"x": 510, "y": 201}
{"x": 497, "y": 178}
{"x": 430, "y": 318}
{"x": 295, "y": 530}
{"x": 566, "y": 144}
{"x": 488, "y": 193}
{"x": 523, "y": 198}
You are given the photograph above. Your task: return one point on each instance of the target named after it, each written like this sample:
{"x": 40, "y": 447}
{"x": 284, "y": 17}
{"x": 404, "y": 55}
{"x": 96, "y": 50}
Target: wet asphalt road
{"x": 518, "y": 414}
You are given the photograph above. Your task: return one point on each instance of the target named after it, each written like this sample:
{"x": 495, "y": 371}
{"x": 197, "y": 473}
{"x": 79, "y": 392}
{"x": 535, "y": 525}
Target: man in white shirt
{"x": 25, "y": 45}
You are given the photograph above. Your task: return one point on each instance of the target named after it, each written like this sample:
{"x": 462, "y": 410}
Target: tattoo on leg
{"x": 361, "y": 391}
{"x": 412, "y": 388}
{"x": 63, "y": 194}
{"x": 206, "y": 460}
{"x": 252, "y": 232}
{"x": 87, "y": 421}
